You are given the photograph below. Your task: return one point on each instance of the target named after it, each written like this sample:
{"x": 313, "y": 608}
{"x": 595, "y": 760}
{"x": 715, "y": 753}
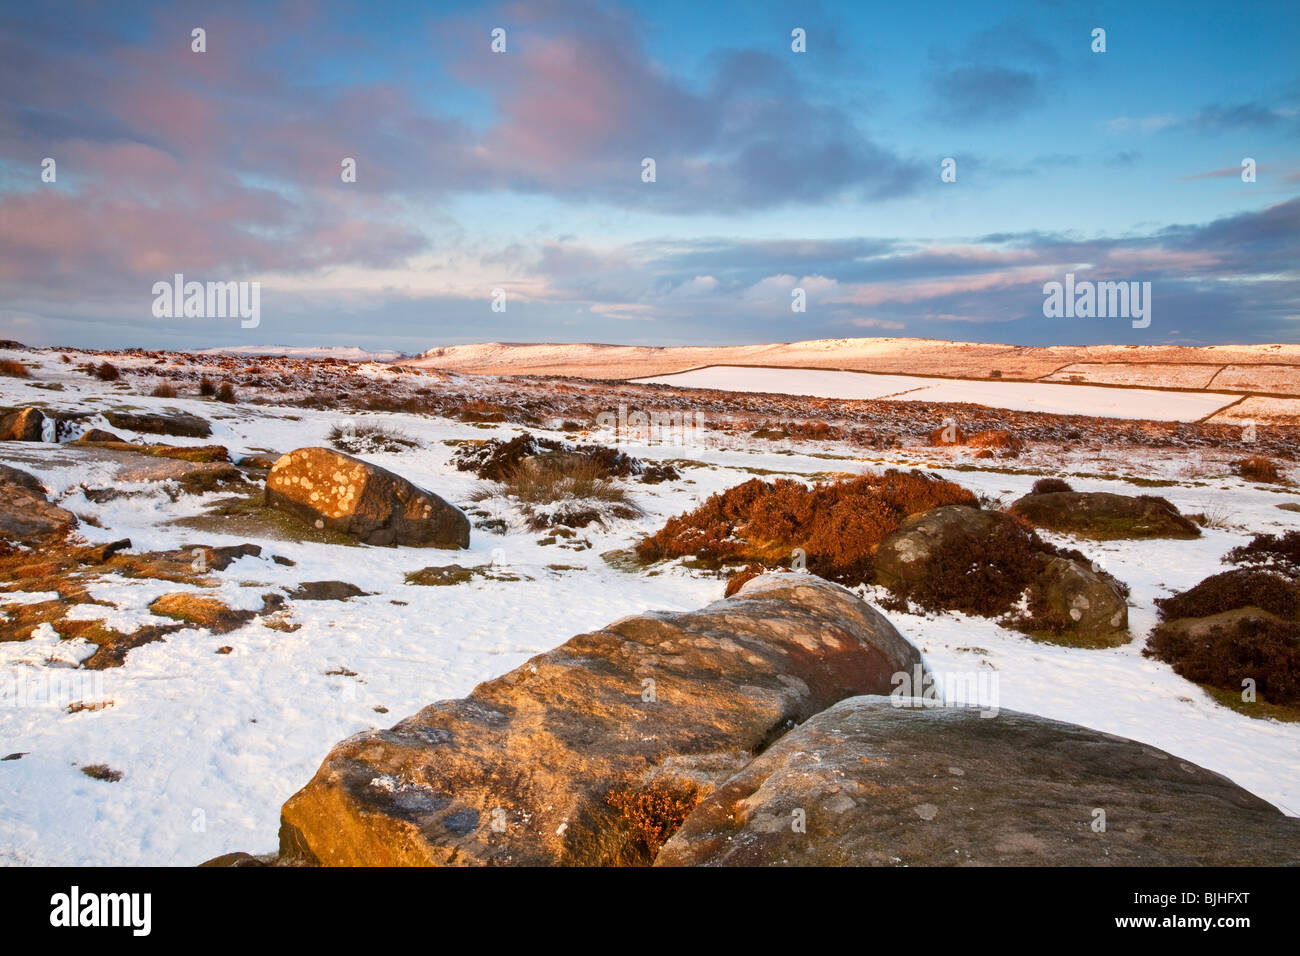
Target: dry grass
{"x": 655, "y": 812}
{"x": 812, "y": 431}
{"x": 361, "y": 439}
{"x": 836, "y": 524}
{"x": 164, "y": 390}
{"x": 1265, "y": 651}
{"x": 1280, "y": 553}
{"x": 1215, "y": 516}
{"x": 1239, "y": 587}
{"x": 102, "y": 771}
{"x": 1258, "y": 468}
{"x": 569, "y": 491}
{"x": 14, "y": 369}
{"x": 742, "y": 577}
{"x": 1050, "y": 486}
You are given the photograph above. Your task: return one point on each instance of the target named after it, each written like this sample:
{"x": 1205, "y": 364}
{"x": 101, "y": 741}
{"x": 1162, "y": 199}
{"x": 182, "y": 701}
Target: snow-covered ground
{"x": 211, "y": 745}
{"x": 1128, "y": 403}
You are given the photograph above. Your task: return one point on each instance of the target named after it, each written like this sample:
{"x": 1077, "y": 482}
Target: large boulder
{"x": 867, "y": 783}
{"x": 906, "y": 556}
{"x": 23, "y": 424}
{"x": 331, "y": 490}
{"x": 528, "y": 769}
{"x": 26, "y": 515}
{"x": 1082, "y": 600}
{"x": 1102, "y": 515}
{"x": 990, "y": 563}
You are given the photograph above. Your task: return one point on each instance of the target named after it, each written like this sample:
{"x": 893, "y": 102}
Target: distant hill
{"x": 344, "y": 353}
{"x": 1216, "y": 367}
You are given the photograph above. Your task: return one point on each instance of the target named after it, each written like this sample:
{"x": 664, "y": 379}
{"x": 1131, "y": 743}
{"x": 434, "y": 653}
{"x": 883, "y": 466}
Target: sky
{"x": 504, "y": 196}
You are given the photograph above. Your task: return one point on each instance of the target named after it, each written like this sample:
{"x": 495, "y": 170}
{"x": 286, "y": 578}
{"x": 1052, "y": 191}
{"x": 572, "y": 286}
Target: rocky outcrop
{"x": 867, "y": 783}
{"x": 906, "y": 557}
{"x": 161, "y": 423}
{"x": 24, "y": 424}
{"x": 194, "y": 453}
{"x": 26, "y": 515}
{"x": 985, "y": 562}
{"x": 529, "y": 768}
{"x": 331, "y": 490}
{"x": 1102, "y": 515}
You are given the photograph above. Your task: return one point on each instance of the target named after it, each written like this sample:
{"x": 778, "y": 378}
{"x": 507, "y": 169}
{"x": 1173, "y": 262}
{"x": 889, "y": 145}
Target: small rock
{"x": 97, "y": 435}
{"x": 326, "y": 591}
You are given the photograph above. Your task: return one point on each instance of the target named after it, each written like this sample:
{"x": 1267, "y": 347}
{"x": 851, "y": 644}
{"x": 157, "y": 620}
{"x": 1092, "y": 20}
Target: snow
{"x": 210, "y": 745}
{"x": 1130, "y": 403}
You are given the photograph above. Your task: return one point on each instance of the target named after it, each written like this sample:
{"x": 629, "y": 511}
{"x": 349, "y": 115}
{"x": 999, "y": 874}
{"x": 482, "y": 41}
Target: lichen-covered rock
{"x": 1102, "y": 515}
{"x": 1087, "y": 603}
{"x": 331, "y": 490}
{"x": 867, "y": 783}
{"x": 525, "y": 769}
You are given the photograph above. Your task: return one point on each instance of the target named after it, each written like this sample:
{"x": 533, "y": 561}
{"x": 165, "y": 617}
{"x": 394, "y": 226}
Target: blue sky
{"x": 521, "y": 171}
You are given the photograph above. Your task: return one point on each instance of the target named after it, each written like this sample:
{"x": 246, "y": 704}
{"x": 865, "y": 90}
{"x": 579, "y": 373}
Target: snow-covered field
{"x": 1128, "y": 403}
{"x": 210, "y": 745}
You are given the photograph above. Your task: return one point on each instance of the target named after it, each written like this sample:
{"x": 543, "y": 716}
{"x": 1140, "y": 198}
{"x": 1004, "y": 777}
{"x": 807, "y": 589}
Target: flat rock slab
{"x": 520, "y": 771}
{"x": 880, "y": 785}
{"x": 161, "y": 423}
{"x": 122, "y": 464}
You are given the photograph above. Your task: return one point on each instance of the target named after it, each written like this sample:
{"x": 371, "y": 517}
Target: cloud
{"x": 998, "y": 75}
{"x": 228, "y": 162}
{"x": 1240, "y": 116}
{"x": 1142, "y": 124}
{"x": 971, "y": 94}
{"x": 1212, "y": 118}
